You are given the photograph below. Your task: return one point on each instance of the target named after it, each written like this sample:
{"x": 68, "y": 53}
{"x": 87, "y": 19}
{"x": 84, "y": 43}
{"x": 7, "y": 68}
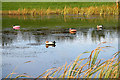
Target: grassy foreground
{"x": 89, "y": 67}
{"x": 43, "y": 8}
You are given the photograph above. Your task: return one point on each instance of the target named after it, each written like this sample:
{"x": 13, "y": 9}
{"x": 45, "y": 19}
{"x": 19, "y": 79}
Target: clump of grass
{"x": 91, "y": 68}
{"x": 104, "y": 10}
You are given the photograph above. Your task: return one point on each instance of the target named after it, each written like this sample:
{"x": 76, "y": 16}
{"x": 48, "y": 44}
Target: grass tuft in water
{"x": 91, "y": 68}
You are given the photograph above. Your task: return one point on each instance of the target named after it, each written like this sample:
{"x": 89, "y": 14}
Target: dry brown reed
{"x": 102, "y": 10}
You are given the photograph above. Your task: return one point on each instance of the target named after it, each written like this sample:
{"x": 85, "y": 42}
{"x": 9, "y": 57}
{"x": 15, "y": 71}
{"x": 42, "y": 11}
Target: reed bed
{"x": 98, "y": 10}
{"x": 90, "y": 67}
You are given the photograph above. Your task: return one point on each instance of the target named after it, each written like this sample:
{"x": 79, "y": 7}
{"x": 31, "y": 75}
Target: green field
{"x": 52, "y": 5}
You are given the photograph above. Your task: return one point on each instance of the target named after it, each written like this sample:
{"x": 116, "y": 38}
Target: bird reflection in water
{"x": 50, "y": 45}
{"x": 73, "y": 33}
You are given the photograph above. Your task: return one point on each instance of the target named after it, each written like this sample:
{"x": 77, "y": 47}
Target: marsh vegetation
{"x": 90, "y": 8}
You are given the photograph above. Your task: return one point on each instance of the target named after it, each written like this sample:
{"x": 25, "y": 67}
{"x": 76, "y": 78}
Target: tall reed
{"x": 103, "y": 10}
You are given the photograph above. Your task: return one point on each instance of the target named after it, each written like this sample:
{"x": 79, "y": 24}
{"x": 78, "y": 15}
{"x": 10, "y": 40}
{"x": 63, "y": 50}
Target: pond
{"x": 28, "y": 43}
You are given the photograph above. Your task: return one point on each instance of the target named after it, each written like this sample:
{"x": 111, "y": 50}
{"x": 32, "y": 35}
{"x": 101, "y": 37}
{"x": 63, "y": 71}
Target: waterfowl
{"x": 99, "y": 27}
{"x": 72, "y": 30}
{"x": 50, "y": 43}
{"x": 16, "y": 27}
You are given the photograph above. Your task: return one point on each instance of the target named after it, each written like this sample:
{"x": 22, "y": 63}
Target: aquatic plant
{"x": 90, "y": 67}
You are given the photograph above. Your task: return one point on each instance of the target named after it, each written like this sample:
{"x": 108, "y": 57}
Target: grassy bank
{"x": 92, "y": 67}
{"x": 52, "y": 5}
{"x": 43, "y": 8}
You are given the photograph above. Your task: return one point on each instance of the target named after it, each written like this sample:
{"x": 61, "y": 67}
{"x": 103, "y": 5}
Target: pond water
{"x": 28, "y": 43}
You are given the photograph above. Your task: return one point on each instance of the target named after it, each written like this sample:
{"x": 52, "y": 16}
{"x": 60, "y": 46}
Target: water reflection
{"x": 88, "y": 20}
{"x": 50, "y": 45}
{"x": 39, "y": 36}
{"x": 28, "y": 43}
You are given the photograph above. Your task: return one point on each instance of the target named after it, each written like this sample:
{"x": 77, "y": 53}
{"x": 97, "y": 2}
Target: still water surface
{"x": 28, "y": 43}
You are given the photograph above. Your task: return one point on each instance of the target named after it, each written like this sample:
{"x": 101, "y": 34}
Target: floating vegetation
{"x": 98, "y": 10}
{"x": 90, "y": 67}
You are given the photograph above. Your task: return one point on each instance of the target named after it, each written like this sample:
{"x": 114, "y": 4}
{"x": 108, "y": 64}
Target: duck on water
{"x": 72, "y": 30}
{"x": 16, "y": 27}
{"x": 49, "y": 43}
{"x": 99, "y": 27}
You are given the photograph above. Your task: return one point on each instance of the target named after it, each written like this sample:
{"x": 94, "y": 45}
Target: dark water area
{"x": 28, "y": 43}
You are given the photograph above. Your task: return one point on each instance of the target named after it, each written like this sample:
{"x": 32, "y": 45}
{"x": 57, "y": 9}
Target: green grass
{"x": 52, "y": 5}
